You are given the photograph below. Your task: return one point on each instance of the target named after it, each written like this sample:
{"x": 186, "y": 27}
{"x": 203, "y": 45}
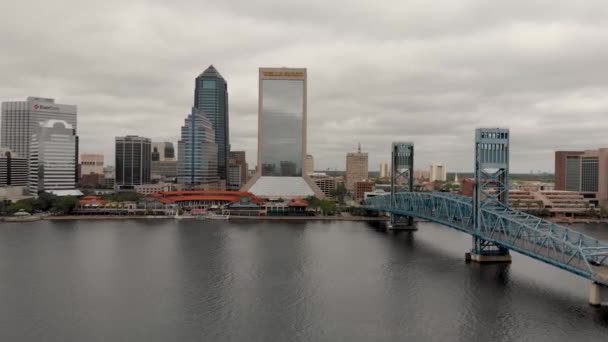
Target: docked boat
{"x": 213, "y": 216}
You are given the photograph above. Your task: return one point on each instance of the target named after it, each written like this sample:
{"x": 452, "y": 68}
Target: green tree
{"x": 25, "y": 204}
{"x": 339, "y": 193}
{"x": 64, "y": 204}
{"x": 44, "y": 201}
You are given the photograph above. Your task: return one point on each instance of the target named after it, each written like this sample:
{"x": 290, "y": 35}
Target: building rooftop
{"x": 274, "y": 187}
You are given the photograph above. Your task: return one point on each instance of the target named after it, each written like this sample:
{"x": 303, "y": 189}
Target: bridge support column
{"x": 405, "y": 223}
{"x": 487, "y": 252}
{"x": 598, "y": 294}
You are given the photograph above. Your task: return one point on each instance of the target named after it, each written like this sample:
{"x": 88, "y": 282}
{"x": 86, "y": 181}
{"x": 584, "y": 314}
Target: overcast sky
{"x": 378, "y": 70}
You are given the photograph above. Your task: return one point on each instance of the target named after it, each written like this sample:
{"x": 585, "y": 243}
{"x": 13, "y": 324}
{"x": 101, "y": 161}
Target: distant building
{"x": 309, "y": 164}
{"x": 384, "y": 170}
{"x": 240, "y": 159}
{"x": 357, "y": 168}
{"x": 109, "y": 177}
{"x": 132, "y": 161}
{"x": 361, "y": 187}
{"x": 53, "y": 156}
{"x": 163, "y": 151}
{"x": 438, "y": 172}
{"x": 13, "y": 169}
{"x": 147, "y": 189}
{"x": 21, "y": 119}
{"x": 583, "y": 171}
{"x": 326, "y": 183}
{"x": 91, "y": 163}
{"x": 422, "y": 175}
{"x": 211, "y": 97}
{"x": 197, "y": 163}
{"x": 282, "y": 136}
{"x": 235, "y": 178}
{"x": 164, "y": 170}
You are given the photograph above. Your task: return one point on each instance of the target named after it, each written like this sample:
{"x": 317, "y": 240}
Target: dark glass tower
{"x": 211, "y": 96}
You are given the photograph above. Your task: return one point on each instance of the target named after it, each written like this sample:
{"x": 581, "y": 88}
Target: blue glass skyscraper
{"x": 211, "y": 96}
{"x": 197, "y": 150}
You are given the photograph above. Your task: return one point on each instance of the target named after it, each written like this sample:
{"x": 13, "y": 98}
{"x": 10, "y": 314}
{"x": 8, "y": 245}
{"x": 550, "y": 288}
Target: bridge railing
{"x": 521, "y": 232}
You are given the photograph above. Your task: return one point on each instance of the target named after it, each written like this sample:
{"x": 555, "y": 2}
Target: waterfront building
{"x": 361, "y": 187}
{"x": 211, "y": 97}
{"x": 282, "y": 112}
{"x": 53, "y": 158}
{"x": 239, "y": 158}
{"x": 197, "y": 150}
{"x": 132, "y": 161}
{"x": 356, "y": 168}
{"x": 163, "y": 151}
{"x": 21, "y": 119}
{"x": 326, "y": 183}
{"x": 583, "y": 171}
{"x": 309, "y": 164}
{"x": 384, "y": 170}
{"x": 438, "y": 172}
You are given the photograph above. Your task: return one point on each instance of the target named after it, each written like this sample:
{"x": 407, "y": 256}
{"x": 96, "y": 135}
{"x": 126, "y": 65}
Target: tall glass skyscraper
{"x": 197, "y": 152}
{"x": 211, "y": 96}
{"x": 282, "y": 136}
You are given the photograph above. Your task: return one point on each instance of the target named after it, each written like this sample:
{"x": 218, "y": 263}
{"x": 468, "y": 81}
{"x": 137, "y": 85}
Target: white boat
{"x": 213, "y": 216}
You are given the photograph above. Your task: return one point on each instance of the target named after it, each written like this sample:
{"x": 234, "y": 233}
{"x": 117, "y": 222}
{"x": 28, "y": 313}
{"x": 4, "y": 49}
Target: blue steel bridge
{"x": 495, "y": 228}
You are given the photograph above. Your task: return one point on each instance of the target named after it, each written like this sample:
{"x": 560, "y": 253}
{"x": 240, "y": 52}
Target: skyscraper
{"x": 583, "y": 171}
{"x": 384, "y": 173}
{"x": 282, "y": 110}
{"x": 163, "y": 151}
{"x": 211, "y": 96}
{"x": 53, "y": 158}
{"x": 132, "y": 161}
{"x": 240, "y": 159}
{"x": 197, "y": 153}
{"x": 21, "y": 119}
{"x": 357, "y": 168}
{"x": 309, "y": 164}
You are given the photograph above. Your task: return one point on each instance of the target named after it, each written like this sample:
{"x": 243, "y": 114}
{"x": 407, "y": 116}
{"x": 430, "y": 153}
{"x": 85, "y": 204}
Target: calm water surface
{"x": 276, "y": 281}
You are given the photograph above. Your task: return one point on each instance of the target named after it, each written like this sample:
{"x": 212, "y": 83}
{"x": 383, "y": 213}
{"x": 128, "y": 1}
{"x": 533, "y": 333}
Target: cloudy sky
{"x": 378, "y": 70}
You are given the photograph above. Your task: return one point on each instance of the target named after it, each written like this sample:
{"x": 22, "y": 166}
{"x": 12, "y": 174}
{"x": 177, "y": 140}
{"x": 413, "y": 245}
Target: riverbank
{"x": 569, "y": 220}
{"x": 245, "y": 218}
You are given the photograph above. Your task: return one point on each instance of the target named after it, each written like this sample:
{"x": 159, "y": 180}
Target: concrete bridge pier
{"x": 402, "y": 223}
{"x": 486, "y": 258}
{"x": 598, "y": 294}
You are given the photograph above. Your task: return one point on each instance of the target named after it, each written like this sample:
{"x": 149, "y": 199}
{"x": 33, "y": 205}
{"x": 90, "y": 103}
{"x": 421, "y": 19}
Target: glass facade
{"x": 573, "y": 173}
{"x": 211, "y": 96}
{"x": 282, "y": 116}
{"x": 197, "y": 150}
{"x": 133, "y": 158}
{"x": 589, "y": 174}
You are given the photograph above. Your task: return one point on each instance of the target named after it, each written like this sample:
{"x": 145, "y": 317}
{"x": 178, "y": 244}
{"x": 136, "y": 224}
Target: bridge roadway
{"x": 529, "y": 235}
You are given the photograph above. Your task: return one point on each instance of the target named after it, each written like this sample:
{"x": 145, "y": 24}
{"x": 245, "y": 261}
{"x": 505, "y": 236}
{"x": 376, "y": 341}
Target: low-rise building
{"x": 326, "y": 183}
{"x": 361, "y": 187}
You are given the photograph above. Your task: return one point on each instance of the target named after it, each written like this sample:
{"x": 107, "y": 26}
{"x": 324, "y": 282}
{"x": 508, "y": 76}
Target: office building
{"x": 326, "y": 183}
{"x": 240, "y": 159}
{"x": 133, "y": 159}
{"x": 197, "y": 150}
{"x": 235, "y": 178}
{"x": 422, "y": 175}
{"x": 309, "y": 164}
{"x": 91, "y": 163}
{"x": 357, "y": 168}
{"x": 53, "y": 159}
{"x": 163, "y": 151}
{"x": 211, "y": 97}
{"x": 21, "y": 119}
{"x": 164, "y": 170}
{"x": 361, "y": 187}
{"x": 13, "y": 169}
{"x": 438, "y": 172}
{"x": 583, "y": 171}
{"x": 282, "y": 136}
{"x": 109, "y": 176}
{"x": 384, "y": 170}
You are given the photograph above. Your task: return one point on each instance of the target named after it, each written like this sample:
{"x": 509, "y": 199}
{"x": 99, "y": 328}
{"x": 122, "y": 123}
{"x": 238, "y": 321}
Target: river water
{"x": 184, "y": 280}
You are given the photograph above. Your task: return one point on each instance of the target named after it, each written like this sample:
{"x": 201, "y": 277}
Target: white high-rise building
{"x": 384, "y": 170}
{"x": 438, "y": 173}
{"x": 21, "y": 119}
{"x": 309, "y": 164}
{"x": 52, "y": 164}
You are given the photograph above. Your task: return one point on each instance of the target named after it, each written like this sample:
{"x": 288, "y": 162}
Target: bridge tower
{"x": 402, "y": 180}
{"x": 491, "y": 188}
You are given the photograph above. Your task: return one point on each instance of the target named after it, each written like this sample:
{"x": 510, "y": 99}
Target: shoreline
{"x": 237, "y": 218}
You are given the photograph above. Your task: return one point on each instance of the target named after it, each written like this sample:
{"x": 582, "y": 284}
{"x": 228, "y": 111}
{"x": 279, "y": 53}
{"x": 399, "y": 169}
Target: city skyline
{"x": 432, "y": 80}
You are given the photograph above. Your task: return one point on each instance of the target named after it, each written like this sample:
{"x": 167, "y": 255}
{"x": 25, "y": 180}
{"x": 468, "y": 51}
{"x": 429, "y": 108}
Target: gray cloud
{"x": 378, "y": 71}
